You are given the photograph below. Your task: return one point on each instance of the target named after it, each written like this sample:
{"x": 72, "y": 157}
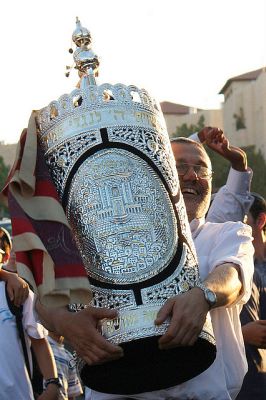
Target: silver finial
{"x": 86, "y": 61}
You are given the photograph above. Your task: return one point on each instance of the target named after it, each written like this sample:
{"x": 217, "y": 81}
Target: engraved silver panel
{"x": 153, "y": 144}
{"x": 60, "y": 158}
{"x": 122, "y": 218}
{"x": 138, "y": 323}
{"x": 182, "y": 279}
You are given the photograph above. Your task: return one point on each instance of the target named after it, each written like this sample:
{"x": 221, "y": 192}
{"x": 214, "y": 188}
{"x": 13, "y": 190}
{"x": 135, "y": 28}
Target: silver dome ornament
{"x": 81, "y": 36}
{"x": 84, "y": 58}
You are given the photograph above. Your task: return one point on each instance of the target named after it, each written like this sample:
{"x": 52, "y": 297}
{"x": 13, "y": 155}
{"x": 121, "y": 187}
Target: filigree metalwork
{"x": 182, "y": 279}
{"x": 185, "y": 228}
{"x": 60, "y": 159}
{"x": 122, "y": 218}
{"x": 153, "y": 144}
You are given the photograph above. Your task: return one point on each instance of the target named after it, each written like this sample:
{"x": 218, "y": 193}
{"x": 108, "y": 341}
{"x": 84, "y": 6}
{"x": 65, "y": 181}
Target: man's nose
{"x": 190, "y": 175}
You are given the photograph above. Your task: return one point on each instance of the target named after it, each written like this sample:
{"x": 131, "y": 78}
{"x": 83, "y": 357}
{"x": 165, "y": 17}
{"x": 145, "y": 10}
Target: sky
{"x": 180, "y": 51}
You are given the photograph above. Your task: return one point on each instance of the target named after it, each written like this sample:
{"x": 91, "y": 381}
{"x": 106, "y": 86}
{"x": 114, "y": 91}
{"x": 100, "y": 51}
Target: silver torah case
{"x": 110, "y": 158}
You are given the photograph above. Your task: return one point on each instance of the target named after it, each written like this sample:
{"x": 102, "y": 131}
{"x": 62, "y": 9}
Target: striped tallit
{"x": 46, "y": 254}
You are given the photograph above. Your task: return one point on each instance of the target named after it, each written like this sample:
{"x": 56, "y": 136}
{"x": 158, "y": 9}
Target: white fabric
{"x": 14, "y": 380}
{"x": 216, "y": 243}
{"x": 66, "y": 370}
{"x": 233, "y": 201}
{"x": 195, "y": 137}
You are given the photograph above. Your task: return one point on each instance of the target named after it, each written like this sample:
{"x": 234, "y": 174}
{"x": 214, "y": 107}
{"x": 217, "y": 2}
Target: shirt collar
{"x": 196, "y": 225}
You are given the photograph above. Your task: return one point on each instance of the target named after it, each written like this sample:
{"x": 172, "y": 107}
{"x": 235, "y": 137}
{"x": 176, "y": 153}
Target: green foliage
{"x": 221, "y": 166}
{"x": 257, "y": 163}
{"x": 3, "y": 175}
{"x": 186, "y": 130}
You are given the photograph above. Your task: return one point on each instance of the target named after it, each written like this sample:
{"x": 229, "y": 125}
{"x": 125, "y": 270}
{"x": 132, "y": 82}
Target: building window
{"x": 240, "y": 119}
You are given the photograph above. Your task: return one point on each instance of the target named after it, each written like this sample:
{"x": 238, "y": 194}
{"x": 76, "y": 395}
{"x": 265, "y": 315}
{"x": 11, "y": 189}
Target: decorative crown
{"x": 90, "y": 106}
{"x": 131, "y": 112}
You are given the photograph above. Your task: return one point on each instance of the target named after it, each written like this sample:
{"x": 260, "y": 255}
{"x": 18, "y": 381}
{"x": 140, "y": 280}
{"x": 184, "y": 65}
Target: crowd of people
{"x": 229, "y": 233}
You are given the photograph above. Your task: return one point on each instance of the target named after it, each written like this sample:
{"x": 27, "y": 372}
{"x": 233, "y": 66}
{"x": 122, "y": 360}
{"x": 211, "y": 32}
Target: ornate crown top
{"x": 91, "y": 107}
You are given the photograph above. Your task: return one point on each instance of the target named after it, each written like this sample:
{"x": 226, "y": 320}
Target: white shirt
{"x": 233, "y": 201}
{"x": 14, "y": 380}
{"x": 216, "y": 244}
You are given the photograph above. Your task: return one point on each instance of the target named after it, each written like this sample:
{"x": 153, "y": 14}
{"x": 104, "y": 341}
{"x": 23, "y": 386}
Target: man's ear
{"x": 261, "y": 220}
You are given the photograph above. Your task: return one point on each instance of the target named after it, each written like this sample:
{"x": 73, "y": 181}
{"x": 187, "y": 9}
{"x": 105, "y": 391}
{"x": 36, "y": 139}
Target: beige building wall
{"x": 251, "y": 97}
{"x": 211, "y": 118}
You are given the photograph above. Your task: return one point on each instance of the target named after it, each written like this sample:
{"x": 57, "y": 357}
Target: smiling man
{"x": 195, "y": 172}
{"x": 225, "y": 264}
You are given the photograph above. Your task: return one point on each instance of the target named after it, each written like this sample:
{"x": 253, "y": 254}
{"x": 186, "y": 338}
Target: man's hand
{"x": 17, "y": 288}
{"x": 215, "y": 139}
{"x": 188, "y": 313}
{"x": 51, "y": 393}
{"x": 81, "y": 330}
{"x": 255, "y": 333}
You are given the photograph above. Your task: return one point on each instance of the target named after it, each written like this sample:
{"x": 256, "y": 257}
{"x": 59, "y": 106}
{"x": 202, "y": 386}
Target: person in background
{"x": 15, "y": 380}
{"x": 66, "y": 368}
{"x": 235, "y": 201}
{"x": 253, "y": 315}
{"x": 17, "y": 288}
{"x": 220, "y": 248}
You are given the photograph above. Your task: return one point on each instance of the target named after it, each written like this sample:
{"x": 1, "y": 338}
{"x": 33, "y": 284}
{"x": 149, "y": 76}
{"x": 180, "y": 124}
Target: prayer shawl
{"x": 46, "y": 254}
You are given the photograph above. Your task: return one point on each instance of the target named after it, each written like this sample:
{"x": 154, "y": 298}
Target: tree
{"x": 257, "y": 163}
{"x": 4, "y": 169}
{"x": 220, "y": 166}
{"x": 184, "y": 130}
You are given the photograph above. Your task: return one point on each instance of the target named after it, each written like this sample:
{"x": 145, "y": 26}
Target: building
{"x": 176, "y": 115}
{"x": 244, "y": 109}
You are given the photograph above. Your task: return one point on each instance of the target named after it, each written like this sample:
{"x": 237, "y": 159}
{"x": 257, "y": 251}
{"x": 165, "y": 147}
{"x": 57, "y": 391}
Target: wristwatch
{"x": 53, "y": 381}
{"x": 209, "y": 295}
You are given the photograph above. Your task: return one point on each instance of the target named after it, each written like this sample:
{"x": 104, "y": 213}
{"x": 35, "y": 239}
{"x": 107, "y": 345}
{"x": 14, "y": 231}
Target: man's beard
{"x": 197, "y": 204}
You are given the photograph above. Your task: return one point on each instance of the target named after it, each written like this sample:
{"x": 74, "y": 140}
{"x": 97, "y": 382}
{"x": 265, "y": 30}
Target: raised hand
{"x": 216, "y": 140}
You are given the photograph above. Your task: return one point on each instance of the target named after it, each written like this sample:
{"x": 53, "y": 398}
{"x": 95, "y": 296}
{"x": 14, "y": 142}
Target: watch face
{"x": 211, "y": 296}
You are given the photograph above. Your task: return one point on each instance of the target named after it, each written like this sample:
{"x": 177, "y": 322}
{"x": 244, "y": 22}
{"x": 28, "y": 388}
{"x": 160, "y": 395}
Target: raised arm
{"x": 46, "y": 363}
{"x": 233, "y": 200}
